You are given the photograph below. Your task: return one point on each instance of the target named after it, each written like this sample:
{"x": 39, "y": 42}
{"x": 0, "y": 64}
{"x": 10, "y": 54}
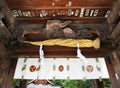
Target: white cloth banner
{"x": 61, "y": 68}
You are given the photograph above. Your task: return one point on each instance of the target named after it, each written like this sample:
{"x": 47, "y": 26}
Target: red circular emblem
{"x": 89, "y": 68}
{"x": 32, "y": 68}
{"x": 61, "y": 68}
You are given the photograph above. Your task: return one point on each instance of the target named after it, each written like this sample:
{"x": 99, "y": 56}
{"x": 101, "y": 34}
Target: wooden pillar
{"x": 98, "y": 84}
{"x": 23, "y": 84}
{"x": 7, "y": 69}
{"x": 3, "y": 68}
{"x": 113, "y": 73}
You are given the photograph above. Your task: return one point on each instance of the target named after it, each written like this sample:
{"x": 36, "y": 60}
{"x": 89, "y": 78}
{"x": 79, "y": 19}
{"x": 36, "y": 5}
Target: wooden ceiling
{"x": 62, "y": 3}
{"x": 80, "y": 11}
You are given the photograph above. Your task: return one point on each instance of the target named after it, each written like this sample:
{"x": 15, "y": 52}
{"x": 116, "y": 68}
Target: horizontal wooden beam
{"x": 85, "y": 20}
{"x": 59, "y": 7}
{"x": 58, "y": 52}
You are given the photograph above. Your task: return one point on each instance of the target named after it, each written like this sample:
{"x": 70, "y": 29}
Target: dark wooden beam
{"x": 7, "y": 17}
{"x": 116, "y": 31}
{"x": 117, "y": 40}
{"x": 5, "y": 35}
{"x": 57, "y": 51}
{"x": 114, "y": 14}
{"x": 73, "y": 19}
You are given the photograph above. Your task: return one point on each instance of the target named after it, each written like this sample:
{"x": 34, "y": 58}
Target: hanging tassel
{"x": 22, "y": 77}
{"x": 37, "y": 77}
{"x": 84, "y": 79}
{"x": 68, "y": 78}
{"x": 54, "y": 78}
{"x": 100, "y": 78}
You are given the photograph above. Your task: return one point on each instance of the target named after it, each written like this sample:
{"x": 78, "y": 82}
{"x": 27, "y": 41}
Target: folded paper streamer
{"x": 80, "y": 55}
{"x": 68, "y": 42}
{"x": 41, "y": 53}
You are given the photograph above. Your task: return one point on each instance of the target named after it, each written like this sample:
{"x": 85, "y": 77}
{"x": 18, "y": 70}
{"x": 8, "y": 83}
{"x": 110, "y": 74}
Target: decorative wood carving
{"x": 60, "y": 12}
{"x": 55, "y": 29}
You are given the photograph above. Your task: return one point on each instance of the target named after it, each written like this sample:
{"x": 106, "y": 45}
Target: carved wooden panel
{"x": 75, "y": 13}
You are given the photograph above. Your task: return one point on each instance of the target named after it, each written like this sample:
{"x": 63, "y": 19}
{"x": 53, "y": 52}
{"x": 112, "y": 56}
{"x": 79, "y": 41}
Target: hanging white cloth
{"x": 41, "y": 53}
{"x": 80, "y": 55}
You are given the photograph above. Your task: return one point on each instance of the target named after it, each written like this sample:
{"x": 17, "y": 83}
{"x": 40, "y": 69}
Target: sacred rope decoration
{"x": 68, "y": 42}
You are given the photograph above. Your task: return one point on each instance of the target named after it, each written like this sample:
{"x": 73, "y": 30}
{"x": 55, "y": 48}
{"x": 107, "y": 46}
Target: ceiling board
{"x": 74, "y": 10}
{"x": 62, "y": 3}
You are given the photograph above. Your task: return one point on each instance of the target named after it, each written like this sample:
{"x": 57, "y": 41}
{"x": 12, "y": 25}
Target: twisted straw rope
{"x": 68, "y": 42}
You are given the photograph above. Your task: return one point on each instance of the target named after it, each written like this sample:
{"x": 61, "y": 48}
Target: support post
{"x": 23, "y": 84}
